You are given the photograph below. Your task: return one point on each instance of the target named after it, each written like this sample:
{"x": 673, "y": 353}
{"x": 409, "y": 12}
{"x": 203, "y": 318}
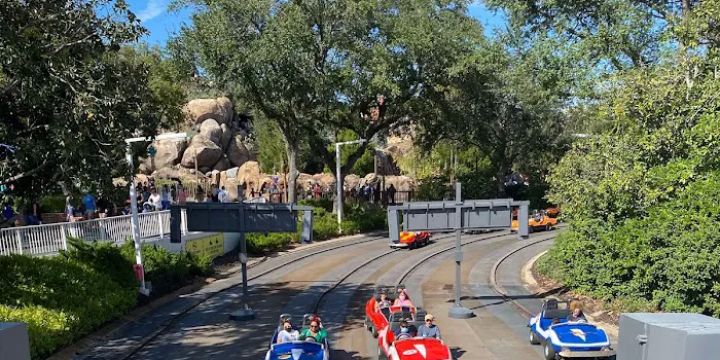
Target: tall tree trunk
{"x": 292, "y": 150}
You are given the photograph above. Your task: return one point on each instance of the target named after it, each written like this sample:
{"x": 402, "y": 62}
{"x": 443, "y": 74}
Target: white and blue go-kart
{"x": 563, "y": 339}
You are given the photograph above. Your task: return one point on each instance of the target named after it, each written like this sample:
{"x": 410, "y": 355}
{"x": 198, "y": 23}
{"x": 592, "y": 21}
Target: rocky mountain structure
{"x": 221, "y": 151}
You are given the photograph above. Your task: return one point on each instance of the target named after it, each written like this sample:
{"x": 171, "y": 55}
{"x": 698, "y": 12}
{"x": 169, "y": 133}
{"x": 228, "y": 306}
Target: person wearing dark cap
{"x": 403, "y": 331}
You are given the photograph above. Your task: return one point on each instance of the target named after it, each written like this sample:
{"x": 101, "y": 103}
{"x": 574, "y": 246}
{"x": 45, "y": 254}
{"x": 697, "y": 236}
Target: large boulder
{"x": 237, "y": 153}
{"x": 167, "y": 173}
{"x": 371, "y": 179}
{"x": 199, "y": 110}
{"x": 248, "y": 173}
{"x": 402, "y": 183}
{"x": 202, "y": 149}
{"x": 351, "y": 181}
{"x": 226, "y": 136}
{"x": 222, "y": 165}
{"x": 211, "y": 130}
{"x": 305, "y": 181}
{"x": 169, "y": 153}
{"x": 326, "y": 181}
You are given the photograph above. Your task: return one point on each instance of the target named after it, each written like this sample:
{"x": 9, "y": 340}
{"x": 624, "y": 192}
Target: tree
{"x": 505, "y": 100}
{"x": 69, "y": 93}
{"x": 317, "y": 67}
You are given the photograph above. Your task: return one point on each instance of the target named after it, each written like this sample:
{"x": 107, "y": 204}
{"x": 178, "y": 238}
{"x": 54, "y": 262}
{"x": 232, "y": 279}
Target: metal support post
{"x": 135, "y": 223}
{"x": 523, "y": 216}
{"x": 307, "y": 227}
{"x": 63, "y": 230}
{"x": 457, "y": 311}
{"x": 246, "y": 313}
{"x": 338, "y": 182}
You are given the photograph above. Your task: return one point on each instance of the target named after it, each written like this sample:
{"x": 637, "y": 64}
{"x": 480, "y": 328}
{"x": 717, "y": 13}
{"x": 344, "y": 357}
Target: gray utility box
{"x": 668, "y": 337}
{"x": 14, "y": 341}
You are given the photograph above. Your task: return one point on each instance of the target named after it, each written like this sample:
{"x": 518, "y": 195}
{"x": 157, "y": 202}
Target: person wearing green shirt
{"x": 314, "y": 331}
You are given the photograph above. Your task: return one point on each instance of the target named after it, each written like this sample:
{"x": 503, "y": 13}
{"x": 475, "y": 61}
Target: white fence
{"x": 48, "y": 239}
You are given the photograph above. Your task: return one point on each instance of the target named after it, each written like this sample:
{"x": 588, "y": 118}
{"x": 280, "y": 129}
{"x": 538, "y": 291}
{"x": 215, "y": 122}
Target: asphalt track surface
{"x": 293, "y": 283}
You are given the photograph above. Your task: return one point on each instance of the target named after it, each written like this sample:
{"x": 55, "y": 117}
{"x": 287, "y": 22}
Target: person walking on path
{"x": 391, "y": 194}
{"x": 165, "y": 198}
{"x": 90, "y": 205}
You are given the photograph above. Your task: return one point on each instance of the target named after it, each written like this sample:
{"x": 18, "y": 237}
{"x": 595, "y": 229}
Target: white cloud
{"x": 153, "y": 9}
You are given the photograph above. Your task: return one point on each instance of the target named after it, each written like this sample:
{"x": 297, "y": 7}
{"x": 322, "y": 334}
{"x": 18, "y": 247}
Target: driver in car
{"x": 313, "y": 333}
{"x": 405, "y": 331}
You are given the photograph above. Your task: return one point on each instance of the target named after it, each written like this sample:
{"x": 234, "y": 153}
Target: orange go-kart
{"x": 540, "y": 221}
{"x": 537, "y": 222}
{"x": 552, "y": 212}
{"x": 412, "y": 239}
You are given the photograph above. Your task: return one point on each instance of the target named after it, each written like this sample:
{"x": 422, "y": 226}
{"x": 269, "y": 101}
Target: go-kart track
{"x": 335, "y": 280}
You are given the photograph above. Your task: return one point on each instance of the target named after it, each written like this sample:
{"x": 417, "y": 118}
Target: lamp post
{"x": 134, "y": 221}
{"x": 339, "y": 180}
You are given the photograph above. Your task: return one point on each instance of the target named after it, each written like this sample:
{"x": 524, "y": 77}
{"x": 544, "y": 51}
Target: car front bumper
{"x": 587, "y": 354}
{"x": 399, "y": 245}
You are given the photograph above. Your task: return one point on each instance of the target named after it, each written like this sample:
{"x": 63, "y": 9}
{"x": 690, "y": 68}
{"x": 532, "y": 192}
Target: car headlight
{"x": 565, "y": 349}
{"x": 605, "y": 348}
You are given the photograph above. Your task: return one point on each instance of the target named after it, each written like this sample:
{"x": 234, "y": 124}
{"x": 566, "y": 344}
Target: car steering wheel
{"x": 403, "y": 336}
{"x": 311, "y": 339}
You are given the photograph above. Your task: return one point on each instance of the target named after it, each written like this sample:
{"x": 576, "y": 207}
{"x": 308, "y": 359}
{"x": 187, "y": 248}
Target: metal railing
{"x": 42, "y": 240}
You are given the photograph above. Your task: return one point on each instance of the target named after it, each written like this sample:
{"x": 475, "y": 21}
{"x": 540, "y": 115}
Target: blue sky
{"x": 162, "y": 24}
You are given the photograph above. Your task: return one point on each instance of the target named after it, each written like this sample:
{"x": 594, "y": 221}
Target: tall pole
{"x": 457, "y": 311}
{"x": 135, "y": 223}
{"x": 338, "y": 181}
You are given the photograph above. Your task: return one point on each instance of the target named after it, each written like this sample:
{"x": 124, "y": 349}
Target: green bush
{"x": 86, "y": 297}
{"x": 357, "y": 219}
{"x": 103, "y": 257}
{"x": 165, "y": 270}
{"x": 48, "y": 329}
{"x": 667, "y": 260}
{"x": 262, "y": 243}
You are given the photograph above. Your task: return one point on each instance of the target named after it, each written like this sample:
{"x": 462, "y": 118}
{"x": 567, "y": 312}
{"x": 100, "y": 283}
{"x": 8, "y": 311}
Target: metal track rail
{"x": 147, "y": 340}
{"x": 500, "y": 289}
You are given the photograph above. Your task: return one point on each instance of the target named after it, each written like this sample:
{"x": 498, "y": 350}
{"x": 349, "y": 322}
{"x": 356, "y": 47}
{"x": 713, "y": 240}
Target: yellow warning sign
{"x": 212, "y": 246}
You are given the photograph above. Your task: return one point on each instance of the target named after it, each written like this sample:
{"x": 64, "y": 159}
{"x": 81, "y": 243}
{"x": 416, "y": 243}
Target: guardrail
{"x": 43, "y": 240}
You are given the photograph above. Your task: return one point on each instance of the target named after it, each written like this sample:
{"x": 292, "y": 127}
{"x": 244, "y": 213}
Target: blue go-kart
{"x": 562, "y": 339}
{"x": 297, "y": 350}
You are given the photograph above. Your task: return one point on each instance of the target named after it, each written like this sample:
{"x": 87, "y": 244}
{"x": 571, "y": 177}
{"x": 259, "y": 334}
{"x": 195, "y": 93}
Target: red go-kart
{"x": 412, "y": 239}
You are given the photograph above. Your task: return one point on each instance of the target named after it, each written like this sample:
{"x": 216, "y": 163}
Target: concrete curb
{"x": 530, "y": 282}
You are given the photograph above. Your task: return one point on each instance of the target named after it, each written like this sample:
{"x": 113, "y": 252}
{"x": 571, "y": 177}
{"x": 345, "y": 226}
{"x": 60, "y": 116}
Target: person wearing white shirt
{"x": 155, "y": 199}
{"x": 288, "y": 334}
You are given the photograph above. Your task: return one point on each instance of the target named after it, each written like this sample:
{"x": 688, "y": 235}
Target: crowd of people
{"x": 365, "y": 193}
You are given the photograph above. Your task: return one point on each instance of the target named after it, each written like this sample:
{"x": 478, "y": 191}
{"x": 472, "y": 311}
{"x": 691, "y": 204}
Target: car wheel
{"x": 374, "y": 332}
{"x": 533, "y": 338}
{"x": 548, "y": 227}
{"x": 549, "y": 351}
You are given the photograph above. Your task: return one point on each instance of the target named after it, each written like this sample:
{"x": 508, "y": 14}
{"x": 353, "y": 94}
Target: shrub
{"x": 358, "y": 218}
{"x": 165, "y": 270}
{"x": 79, "y": 297}
{"x": 103, "y": 257}
{"x": 666, "y": 260}
{"x": 262, "y": 243}
{"x": 48, "y": 329}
